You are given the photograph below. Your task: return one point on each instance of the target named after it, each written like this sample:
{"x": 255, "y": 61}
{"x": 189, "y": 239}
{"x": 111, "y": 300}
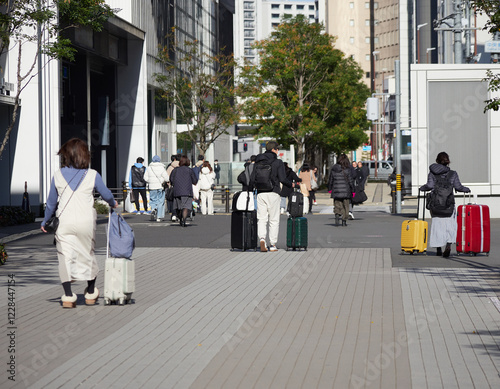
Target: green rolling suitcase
{"x": 296, "y": 233}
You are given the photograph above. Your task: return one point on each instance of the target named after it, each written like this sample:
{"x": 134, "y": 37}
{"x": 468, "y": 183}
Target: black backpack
{"x": 262, "y": 172}
{"x": 441, "y": 201}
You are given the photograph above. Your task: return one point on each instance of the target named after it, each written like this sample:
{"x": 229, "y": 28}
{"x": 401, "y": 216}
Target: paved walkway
{"x": 212, "y": 318}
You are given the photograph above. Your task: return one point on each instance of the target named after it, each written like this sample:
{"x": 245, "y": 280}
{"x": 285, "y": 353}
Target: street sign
{"x": 492, "y": 47}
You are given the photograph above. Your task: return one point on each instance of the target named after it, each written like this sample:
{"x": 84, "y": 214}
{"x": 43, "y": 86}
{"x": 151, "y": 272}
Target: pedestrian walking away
{"x": 156, "y": 176}
{"x": 285, "y": 190}
{"x": 183, "y": 178}
{"x": 268, "y": 173}
{"x": 71, "y": 198}
{"x": 441, "y": 181}
{"x": 340, "y": 182}
{"x": 306, "y": 178}
{"x": 137, "y": 183}
{"x": 217, "y": 170}
{"x": 206, "y": 182}
{"x": 171, "y": 166}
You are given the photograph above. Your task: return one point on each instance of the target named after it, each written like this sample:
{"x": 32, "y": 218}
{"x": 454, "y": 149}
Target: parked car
{"x": 384, "y": 169}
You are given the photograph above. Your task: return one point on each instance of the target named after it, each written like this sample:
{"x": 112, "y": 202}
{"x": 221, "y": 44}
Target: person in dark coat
{"x": 443, "y": 229}
{"x": 285, "y": 190}
{"x": 183, "y": 178}
{"x": 217, "y": 170}
{"x": 341, "y": 184}
{"x": 138, "y": 184}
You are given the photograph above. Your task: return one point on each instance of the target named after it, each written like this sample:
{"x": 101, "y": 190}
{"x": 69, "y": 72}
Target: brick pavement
{"x": 212, "y": 318}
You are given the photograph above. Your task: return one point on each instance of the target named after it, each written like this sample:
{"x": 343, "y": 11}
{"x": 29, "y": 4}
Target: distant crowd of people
{"x": 182, "y": 188}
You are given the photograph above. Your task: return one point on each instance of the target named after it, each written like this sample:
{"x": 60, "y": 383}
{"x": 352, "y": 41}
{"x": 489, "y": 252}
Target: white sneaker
{"x": 273, "y": 248}
{"x": 351, "y": 216}
{"x": 263, "y": 248}
{"x": 282, "y": 211}
{"x": 174, "y": 218}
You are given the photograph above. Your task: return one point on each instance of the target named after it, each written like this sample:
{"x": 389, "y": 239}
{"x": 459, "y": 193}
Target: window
{"x": 367, "y": 5}
{"x": 248, "y": 42}
{"x": 351, "y": 22}
{"x": 275, "y": 6}
{"x": 248, "y": 5}
{"x": 311, "y": 7}
{"x": 274, "y": 25}
{"x": 312, "y": 17}
{"x": 249, "y": 34}
{"x": 299, "y": 6}
{"x": 367, "y": 57}
{"x": 351, "y": 5}
{"x": 367, "y": 39}
{"x": 248, "y": 15}
{"x": 275, "y": 16}
{"x": 367, "y": 22}
{"x": 351, "y": 40}
{"x": 288, "y": 6}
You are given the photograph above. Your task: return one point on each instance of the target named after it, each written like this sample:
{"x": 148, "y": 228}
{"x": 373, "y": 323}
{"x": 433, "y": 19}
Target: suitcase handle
{"x": 469, "y": 198}
{"x": 418, "y": 205}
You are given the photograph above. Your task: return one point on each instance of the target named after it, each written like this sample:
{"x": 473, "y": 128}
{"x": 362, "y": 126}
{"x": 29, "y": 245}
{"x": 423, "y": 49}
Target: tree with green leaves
{"x": 200, "y": 86}
{"x": 491, "y": 8}
{"x": 40, "y": 24}
{"x": 304, "y": 91}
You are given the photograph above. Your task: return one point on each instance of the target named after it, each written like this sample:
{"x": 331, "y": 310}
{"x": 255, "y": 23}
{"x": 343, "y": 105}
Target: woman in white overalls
{"x": 71, "y": 197}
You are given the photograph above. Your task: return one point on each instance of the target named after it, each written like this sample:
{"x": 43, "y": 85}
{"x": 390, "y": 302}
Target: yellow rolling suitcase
{"x": 414, "y": 233}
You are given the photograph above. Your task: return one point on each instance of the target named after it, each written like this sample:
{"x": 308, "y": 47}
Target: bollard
{"x": 227, "y": 200}
{"x": 124, "y": 193}
{"x": 393, "y": 195}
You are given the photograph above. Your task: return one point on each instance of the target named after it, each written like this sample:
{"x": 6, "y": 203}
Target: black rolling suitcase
{"x": 244, "y": 230}
{"x": 296, "y": 204}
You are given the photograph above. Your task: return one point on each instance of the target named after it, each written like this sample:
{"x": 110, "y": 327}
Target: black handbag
{"x": 169, "y": 193}
{"x": 52, "y": 224}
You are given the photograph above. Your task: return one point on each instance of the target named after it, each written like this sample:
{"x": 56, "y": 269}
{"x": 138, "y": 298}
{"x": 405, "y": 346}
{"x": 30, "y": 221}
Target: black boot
{"x": 344, "y": 223}
{"x": 439, "y": 252}
{"x": 337, "y": 220}
{"x": 447, "y": 250}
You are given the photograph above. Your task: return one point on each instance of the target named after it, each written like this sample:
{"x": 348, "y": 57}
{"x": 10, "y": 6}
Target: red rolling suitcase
{"x": 473, "y": 232}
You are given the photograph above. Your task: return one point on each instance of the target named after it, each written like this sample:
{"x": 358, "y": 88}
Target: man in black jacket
{"x": 268, "y": 173}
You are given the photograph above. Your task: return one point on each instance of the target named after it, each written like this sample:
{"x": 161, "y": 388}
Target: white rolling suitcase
{"x": 119, "y": 276}
{"x": 119, "y": 280}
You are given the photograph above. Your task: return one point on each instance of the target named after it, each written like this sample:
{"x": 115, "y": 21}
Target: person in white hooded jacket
{"x": 155, "y": 176}
{"x": 206, "y": 180}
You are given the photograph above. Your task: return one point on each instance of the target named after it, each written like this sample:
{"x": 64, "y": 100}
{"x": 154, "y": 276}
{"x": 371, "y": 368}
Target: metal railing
{"x": 223, "y": 194}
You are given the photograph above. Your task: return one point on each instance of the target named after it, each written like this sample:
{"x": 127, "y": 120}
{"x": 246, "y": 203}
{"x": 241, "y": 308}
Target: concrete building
{"x": 256, "y": 19}
{"x": 106, "y": 96}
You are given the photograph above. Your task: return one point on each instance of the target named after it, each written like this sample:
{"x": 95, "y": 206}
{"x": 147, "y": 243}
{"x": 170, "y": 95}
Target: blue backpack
{"x": 120, "y": 236}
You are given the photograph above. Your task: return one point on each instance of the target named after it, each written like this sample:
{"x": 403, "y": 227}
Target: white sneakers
{"x": 264, "y": 249}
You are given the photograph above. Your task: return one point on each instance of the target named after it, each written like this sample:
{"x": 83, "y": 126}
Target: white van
{"x": 384, "y": 168}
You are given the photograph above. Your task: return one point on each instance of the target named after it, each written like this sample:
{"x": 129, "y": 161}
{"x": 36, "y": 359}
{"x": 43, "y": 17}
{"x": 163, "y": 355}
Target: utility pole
{"x": 397, "y": 135}
{"x": 458, "y": 31}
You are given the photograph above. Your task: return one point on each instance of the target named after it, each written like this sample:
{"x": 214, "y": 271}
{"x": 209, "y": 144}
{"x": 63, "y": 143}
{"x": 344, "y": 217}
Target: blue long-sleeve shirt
{"x": 74, "y": 175}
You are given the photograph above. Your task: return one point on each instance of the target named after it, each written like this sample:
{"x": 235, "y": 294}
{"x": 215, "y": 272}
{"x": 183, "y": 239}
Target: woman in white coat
{"x": 207, "y": 177}
{"x": 156, "y": 176}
